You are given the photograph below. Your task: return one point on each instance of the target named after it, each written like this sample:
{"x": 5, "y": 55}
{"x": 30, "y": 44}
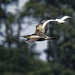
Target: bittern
{"x": 40, "y": 33}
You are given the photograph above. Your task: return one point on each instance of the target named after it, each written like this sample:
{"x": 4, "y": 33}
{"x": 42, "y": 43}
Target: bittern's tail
{"x": 51, "y": 38}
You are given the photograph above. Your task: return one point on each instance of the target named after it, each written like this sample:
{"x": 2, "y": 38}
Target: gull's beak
{"x": 69, "y": 17}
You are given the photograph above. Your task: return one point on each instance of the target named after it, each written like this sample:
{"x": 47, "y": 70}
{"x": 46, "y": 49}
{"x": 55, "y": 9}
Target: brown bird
{"x": 40, "y": 33}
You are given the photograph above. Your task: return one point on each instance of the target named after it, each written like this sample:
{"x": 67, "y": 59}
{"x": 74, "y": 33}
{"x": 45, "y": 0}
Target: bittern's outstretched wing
{"x": 39, "y": 30}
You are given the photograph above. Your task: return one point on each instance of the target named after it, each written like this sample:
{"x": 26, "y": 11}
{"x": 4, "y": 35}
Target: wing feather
{"x": 46, "y": 22}
{"x": 65, "y": 17}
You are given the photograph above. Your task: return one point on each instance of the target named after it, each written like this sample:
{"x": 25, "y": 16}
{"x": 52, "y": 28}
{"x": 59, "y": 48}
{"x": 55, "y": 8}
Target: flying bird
{"x": 41, "y": 29}
{"x": 40, "y": 33}
{"x": 62, "y": 20}
{"x": 34, "y": 37}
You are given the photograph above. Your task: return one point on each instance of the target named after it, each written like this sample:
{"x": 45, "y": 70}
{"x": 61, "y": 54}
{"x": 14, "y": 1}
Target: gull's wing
{"x": 46, "y": 22}
{"x": 43, "y": 27}
{"x": 65, "y": 17}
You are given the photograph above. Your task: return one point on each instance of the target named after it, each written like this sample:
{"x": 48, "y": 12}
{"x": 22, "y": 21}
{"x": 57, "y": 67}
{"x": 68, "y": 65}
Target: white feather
{"x": 62, "y": 19}
{"x": 46, "y": 22}
{"x": 65, "y": 17}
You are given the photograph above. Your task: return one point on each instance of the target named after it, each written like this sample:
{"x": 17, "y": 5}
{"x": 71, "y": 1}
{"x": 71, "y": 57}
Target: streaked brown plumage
{"x": 40, "y": 30}
{"x": 39, "y": 35}
{"x": 34, "y": 37}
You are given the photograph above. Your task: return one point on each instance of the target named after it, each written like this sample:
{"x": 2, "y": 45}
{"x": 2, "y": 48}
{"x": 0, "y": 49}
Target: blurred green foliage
{"x": 22, "y": 60}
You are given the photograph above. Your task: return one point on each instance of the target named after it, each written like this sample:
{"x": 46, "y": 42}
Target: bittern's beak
{"x": 24, "y": 36}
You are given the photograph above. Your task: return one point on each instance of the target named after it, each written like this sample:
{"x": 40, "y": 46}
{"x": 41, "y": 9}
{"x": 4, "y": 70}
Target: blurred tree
{"x": 22, "y": 60}
{"x": 13, "y": 60}
{"x": 61, "y": 50}
{"x": 7, "y": 19}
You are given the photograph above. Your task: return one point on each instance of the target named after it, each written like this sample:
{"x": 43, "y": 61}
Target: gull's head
{"x": 59, "y": 20}
{"x": 67, "y": 16}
